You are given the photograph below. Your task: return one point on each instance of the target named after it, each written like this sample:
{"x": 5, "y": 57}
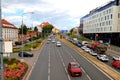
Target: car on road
{"x": 58, "y": 44}
{"x": 103, "y": 57}
{"x": 53, "y": 41}
{"x": 116, "y": 64}
{"x": 116, "y": 58}
{"x": 25, "y": 54}
{"x": 74, "y": 69}
{"x": 48, "y": 42}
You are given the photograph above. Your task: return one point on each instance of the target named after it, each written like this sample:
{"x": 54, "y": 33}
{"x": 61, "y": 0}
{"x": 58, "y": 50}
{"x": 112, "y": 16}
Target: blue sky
{"x": 63, "y": 14}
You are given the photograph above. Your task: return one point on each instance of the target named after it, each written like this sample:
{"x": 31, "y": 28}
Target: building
{"x": 9, "y": 31}
{"x": 75, "y": 31}
{"x": 103, "y": 21}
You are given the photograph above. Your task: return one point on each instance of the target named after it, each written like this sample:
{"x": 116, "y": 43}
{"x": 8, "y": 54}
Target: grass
{"x": 28, "y": 47}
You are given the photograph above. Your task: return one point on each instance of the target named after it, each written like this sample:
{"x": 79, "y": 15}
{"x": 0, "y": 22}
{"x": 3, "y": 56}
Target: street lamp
{"x": 22, "y": 32}
{"x": 1, "y": 47}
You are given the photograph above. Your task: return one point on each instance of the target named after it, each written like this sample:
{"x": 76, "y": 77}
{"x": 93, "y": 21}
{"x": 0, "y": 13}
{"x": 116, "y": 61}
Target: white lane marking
{"x": 89, "y": 77}
{"x": 49, "y": 65}
{"x": 48, "y": 77}
{"x": 83, "y": 70}
{"x": 68, "y": 76}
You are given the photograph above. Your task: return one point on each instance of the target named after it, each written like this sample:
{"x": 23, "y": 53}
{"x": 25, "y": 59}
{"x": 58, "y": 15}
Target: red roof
{"x": 6, "y": 24}
{"x": 42, "y": 25}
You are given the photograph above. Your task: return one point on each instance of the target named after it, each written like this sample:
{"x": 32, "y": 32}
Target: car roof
{"x": 73, "y": 63}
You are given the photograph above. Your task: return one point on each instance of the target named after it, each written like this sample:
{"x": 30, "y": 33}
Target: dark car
{"x": 79, "y": 44}
{"x": 74, "y": 69}
{"x": 25, "y": 54}
{"x": 116, "y": 63}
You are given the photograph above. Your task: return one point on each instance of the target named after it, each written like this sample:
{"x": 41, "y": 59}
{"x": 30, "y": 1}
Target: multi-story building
{"x": 9, "y": 31}
{"x": 103, "y": 21}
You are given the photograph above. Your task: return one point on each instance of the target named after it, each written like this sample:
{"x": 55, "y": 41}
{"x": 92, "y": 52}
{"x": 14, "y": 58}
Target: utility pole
{"x": 1, "y": 47}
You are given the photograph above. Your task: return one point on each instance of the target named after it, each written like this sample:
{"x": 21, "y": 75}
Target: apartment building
{"x": 103, "y": 21}
{"x": 9, "y": 31}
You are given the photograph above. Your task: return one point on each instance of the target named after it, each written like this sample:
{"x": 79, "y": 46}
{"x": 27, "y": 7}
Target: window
{"x": 111, "y": 16}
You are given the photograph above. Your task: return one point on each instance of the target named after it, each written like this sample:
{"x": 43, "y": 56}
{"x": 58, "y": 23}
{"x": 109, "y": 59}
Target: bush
{"x": 13, "y": 60}
{"x": 18, "y": 43}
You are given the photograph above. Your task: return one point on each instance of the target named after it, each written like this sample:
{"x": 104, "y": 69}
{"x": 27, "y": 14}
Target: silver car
{"x": 116, "y": 58}
{"x": 103, "y": 57}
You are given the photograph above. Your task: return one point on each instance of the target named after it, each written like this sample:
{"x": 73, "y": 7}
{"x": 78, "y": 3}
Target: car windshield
{"x": 75, "y": 66}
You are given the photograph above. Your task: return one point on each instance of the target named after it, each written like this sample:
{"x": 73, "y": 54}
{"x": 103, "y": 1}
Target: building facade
{"x": 104, "y": 21}
{"x": 9, "y": 31}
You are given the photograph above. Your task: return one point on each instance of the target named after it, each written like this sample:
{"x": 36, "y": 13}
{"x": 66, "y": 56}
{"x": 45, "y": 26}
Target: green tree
{"x": 71, "y": 31}
{"x": 47, "y": 29}
{"x": 24, "y": 27}
{"x": 35, "y": 29}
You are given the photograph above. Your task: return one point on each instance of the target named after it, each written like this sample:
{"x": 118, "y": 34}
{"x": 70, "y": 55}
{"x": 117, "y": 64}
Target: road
{"x": 52, "y": 64}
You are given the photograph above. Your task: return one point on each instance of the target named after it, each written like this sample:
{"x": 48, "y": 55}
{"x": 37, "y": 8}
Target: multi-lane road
{"x": 52, "y": 64}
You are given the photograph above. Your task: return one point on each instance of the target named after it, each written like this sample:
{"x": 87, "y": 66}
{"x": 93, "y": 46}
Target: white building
{"x": 9, "y": 31}
{"x": 104, "y": 22}
{"x": 105, "y": 19}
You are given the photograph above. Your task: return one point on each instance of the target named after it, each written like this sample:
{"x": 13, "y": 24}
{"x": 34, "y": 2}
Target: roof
{"x": 73, "y": 63}
{"x": 6, "y": 24}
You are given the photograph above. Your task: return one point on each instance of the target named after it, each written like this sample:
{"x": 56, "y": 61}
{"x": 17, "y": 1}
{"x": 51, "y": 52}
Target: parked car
{"x": 116, "y": 58}
{"x": 116, "y": 64}
{"x": 103, "y": 58}
{"x": 25, "y": 54}
{"x": 79, "y": 44}
{"x": 74, "y": 69}
{"x": 93, "y": 53}
{"x": 83, "y": 47}
{"x": 87, "y": 50}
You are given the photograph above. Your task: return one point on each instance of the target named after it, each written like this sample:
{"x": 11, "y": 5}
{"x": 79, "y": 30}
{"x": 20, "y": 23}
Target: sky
{"x": 63, "y": 14}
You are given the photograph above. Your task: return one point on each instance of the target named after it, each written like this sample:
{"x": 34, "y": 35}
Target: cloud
{"x": 61, "y": 13}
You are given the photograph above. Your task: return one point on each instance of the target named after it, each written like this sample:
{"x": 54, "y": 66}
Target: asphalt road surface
{"x": 53, "y": 61}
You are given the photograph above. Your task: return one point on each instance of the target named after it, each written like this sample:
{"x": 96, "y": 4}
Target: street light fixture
{"x": 22, "y": 32}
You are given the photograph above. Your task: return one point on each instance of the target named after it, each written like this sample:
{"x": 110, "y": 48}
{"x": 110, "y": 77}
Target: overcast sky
{"x": 63, "y": 14}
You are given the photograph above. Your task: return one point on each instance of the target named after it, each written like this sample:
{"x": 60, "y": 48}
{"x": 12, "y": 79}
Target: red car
{"x": 116, "y": 63}
{"x": 74, "y": 69}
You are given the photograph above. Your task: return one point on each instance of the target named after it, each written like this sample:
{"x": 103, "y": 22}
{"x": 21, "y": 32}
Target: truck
{"x": 7, "y": 48}
{"x": 98, "y": 47}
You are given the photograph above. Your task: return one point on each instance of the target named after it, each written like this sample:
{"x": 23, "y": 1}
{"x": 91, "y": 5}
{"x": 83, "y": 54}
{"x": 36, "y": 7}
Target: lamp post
{"x": 1, "y": 47}
{"x": 23, "y": 34}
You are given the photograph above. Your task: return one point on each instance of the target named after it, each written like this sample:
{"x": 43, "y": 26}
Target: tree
{"x": 36, "y": 29}
{"x": 71, "y": 31}
{"x": 47, "y": 29}
{"x": 24, "y": 27}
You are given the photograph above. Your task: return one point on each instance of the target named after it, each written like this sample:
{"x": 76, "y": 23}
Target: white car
{"x": 83, "y": 47}
{"x": 103, "y": 58}
{"x": 53, "y": 41}
{"x": 58, "y": 44}
{"x": 87, "y": 49}
{"x": 116, "y": 58}
{"x": 93, "y": 53}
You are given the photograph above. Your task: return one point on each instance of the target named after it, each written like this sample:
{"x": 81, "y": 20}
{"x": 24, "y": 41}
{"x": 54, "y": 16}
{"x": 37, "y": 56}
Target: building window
{"x": 111, "y": 16}
{"x": 109, "y": 10}
{"x": 110, "y": 28}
